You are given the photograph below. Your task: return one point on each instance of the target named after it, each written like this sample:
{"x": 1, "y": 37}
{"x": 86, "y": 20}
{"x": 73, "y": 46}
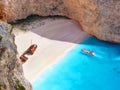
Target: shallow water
{"x": 79, "y": 71}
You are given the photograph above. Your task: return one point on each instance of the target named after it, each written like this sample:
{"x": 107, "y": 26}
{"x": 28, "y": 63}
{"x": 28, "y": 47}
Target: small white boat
{"x": 88, "y": 52}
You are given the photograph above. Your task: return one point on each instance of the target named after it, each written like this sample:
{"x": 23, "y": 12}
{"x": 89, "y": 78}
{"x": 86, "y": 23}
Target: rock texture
{"x": 97, "y": 17}
{"x": 11, "y": 73}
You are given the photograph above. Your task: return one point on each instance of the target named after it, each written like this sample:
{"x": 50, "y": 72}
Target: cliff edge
{"x": 100, "y": 18}
{"x": 11, "y": 72}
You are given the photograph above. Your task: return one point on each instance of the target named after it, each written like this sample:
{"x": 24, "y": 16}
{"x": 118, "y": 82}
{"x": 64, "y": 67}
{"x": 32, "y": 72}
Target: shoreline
{"x": 53, "y": 44}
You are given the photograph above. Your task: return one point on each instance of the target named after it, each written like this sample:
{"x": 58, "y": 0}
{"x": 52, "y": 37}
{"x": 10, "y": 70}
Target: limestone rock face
{"x": 11, "y": 73}
{"x": 97, "y": 17}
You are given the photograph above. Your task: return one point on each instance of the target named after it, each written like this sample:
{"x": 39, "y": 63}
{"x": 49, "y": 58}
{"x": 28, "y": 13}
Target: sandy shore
{"x": 54, "y": 37}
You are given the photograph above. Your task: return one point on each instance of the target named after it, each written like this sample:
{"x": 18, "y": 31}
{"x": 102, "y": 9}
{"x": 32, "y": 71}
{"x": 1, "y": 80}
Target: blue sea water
{"x": 78, "y": 71}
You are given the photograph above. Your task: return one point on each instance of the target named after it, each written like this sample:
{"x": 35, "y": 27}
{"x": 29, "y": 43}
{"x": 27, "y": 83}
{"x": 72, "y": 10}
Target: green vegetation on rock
{"x": 0, "y": 87}
{"x": 19, "y": 86}
{"x": 1, "y": 38}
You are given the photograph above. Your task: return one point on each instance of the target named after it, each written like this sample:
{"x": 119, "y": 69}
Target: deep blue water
{"x": 78, "y": 71}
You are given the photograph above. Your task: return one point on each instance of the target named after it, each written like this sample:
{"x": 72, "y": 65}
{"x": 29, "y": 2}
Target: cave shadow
{"x": 54, "y": 28}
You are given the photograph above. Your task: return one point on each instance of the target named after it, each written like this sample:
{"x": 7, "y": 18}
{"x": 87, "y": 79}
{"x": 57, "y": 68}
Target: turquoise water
{"x": 78, "y": 71}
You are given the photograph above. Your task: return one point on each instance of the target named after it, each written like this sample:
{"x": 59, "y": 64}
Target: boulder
{"x": 11, "y": 72}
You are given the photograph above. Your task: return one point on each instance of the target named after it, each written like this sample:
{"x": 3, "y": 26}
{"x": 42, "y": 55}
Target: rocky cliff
{"x": 11, "y": 73}
{"x": 97, "y": 17}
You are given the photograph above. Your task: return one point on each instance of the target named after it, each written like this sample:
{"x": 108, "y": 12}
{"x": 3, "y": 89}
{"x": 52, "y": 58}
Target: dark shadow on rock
{"x": 54, "y": 28}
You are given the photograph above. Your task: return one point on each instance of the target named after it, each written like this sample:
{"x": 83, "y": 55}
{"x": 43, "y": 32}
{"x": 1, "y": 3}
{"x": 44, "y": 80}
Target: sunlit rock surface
{"x": 97, "y": 17}
{"x": 11, "y": 72}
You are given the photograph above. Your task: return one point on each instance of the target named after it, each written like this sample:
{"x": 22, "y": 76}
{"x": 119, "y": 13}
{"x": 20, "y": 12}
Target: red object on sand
{"x": 23, "y": 58}
{"x": 29, "y": 51}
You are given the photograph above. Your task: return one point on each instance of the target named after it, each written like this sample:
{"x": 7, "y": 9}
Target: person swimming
{"x": 88, "y": 52}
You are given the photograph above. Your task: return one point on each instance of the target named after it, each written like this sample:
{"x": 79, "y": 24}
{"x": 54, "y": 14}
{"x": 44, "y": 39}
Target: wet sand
{"x": 54, "y": 37}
